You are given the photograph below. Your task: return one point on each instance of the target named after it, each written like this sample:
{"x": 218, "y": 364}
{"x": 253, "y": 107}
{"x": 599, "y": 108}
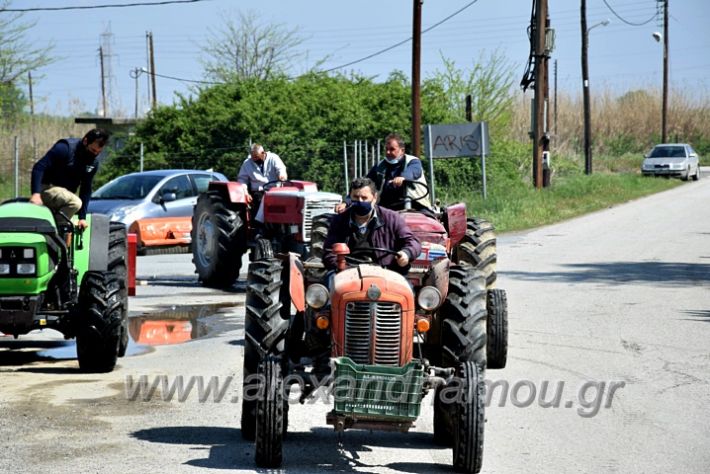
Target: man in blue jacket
{"x": 389, "y": 175}
{"x": 68, "y": 166}
{"x": 365, "y": 224}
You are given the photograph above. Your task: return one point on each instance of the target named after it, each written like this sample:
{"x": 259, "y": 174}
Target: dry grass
{"x": 35, "y": 138}
{"x": 623, "y": 124}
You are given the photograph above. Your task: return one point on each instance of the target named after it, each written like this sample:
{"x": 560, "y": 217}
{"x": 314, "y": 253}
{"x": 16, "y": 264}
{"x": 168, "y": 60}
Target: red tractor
{"x": 435, "y": 329}
{"x": 222, "y": 234}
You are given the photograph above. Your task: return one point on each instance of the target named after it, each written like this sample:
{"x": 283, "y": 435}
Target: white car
{"x": 672, "y": 159}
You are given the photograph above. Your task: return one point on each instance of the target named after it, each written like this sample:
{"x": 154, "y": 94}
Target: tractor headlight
{"x": 317, "y": 296}
{"x": 4, "y": 268}
{"x": 25, "y": 268}
{"x": 429, "y": 298}
{"x": 28, "y": 253}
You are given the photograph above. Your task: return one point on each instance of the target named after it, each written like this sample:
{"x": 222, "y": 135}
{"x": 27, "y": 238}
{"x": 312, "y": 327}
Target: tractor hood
{"x": 25, "y": 210}
{"x": 363, "y": 277}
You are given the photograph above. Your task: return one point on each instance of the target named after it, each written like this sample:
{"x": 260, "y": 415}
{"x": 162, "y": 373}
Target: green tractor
{"x": 55, "y": 275}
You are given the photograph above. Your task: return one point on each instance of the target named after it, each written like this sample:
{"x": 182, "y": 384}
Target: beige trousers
{"x": 60, "y": 199}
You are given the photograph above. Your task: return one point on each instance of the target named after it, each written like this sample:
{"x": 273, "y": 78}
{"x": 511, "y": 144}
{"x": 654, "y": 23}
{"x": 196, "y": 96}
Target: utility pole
{"x": 32, "y": 101}
{"x": 664, "y": 112}
{"x": 585, "y": 89}
{"x": 152, "y": 70}
{"x": 416, "y": 69}
{"x": 135, "y": 74}
{"x": 103, "y": 82}
{"x": 32, "y": 116}
{"x": 555, "y": 125}
{"x": 541, "y": 139}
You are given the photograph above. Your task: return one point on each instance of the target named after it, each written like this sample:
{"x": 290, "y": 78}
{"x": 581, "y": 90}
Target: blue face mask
{"x": 361, "y": 208}
{"x": 392, "y": 161}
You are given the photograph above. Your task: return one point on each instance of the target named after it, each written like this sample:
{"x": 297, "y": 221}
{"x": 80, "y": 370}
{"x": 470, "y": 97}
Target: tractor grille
{"x": 373, "y": 332}
{"x": 313, "y": 209}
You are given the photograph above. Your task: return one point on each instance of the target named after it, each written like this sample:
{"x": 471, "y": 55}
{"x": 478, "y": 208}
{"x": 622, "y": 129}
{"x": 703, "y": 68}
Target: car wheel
{"x": 696, "y": 176}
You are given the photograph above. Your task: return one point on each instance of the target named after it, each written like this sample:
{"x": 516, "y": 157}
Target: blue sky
{"x": 621, "y": 57}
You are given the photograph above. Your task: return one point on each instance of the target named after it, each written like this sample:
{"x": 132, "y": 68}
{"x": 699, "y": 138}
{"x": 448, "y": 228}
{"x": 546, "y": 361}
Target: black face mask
{"x": 361, "y": 208}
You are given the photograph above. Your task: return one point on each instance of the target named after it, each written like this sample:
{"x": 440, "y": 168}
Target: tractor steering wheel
{"x": 404, "y": 200}
{"x": 365, "y": 260}
{"x": 277, "y": 183}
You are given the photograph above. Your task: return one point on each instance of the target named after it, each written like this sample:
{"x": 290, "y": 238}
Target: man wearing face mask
{"x": 68, "y": 166}
{"x": 365, "y": 224}
{"x": 389, "y": 175}
{"x": 259, "y": 168}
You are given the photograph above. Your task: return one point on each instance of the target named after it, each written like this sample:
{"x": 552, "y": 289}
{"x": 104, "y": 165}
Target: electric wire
{"x": 93, "y": 7}
{"x": 626, "y": 21}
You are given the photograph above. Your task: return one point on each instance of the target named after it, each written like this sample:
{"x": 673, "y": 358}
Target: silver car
{"x": 160, "y": 193}
{"x": 672, "y": 159}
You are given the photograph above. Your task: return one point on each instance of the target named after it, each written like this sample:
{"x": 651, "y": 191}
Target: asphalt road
{"x": 615, "y": 305}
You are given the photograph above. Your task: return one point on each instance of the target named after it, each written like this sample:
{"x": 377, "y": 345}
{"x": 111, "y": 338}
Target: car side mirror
{"x": 168, "y": 197}
{"x": 645, "y": 156}
{"x": 693, "y": 155}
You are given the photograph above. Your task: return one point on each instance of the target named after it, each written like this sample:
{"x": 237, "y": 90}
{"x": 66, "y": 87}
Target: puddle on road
{"x": 176, "y": 325}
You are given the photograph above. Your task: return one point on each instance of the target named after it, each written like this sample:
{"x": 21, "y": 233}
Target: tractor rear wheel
{"x": 219, "y": 240}
{"x": 100, "y": 321}
{"x": 478, "y": 248}
{"x": 270, "y": 411}
{"x": 463, "y": 318}
{"x": 469, "y": 419}
{"x": 497, "y": 329}
{"x": 264, "y": 330}
{"x": 117, "y": 263}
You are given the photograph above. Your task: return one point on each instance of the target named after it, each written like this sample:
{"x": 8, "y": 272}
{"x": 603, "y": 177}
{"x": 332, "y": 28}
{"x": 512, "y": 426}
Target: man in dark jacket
{"x": 391, "y": 172}
{"x": 68, "y": 166}
{"x": 365, "y": 224}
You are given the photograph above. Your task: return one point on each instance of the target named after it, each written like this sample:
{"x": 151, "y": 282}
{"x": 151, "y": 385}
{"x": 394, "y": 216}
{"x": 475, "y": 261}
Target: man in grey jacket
{"x": 258, "y": 169}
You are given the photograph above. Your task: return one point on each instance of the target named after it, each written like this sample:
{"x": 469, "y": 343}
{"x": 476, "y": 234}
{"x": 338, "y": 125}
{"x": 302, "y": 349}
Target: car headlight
{"x": 429, "y": 298}
{"x": 317, "y": 296}
{"x": 120, "y": 214}
{"x": 4, "y": 268}
{"x": 25, "y": 268}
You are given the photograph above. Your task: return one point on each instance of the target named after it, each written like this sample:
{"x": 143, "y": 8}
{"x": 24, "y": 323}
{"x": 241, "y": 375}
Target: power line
{"x": 93, "y": 7}
{"x": 401, "y": 42}
{"x": 164, "y": 76}
{"x": 626, "y": 21}
{"x": 338, "y": 67}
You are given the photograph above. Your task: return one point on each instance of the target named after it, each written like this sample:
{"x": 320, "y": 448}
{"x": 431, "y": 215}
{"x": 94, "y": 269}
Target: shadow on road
{"x": 303, "y": 451}
{"x": 657, "y": 273}
{"x": 702, "y": 315}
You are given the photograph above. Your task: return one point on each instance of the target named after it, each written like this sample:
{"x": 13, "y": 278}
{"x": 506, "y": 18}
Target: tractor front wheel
{"x": 497, "y": 329}
{"x": 100, "y": 322}
{"x": 270, "y": 413}
{"x": 469, "y": 419}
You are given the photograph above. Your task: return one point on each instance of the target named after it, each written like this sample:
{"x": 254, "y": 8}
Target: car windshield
{"x": 668, "y": 152}
{"x": 127, "y": 187}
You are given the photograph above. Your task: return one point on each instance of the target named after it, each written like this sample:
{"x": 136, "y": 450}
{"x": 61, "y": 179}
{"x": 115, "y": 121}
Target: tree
{"x": 489, "y": 83}
{"x": 18, "y": 56}
{"x": 246, "y": 49}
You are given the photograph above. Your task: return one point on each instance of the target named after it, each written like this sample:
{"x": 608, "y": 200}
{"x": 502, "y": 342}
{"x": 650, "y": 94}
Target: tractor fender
{"x": 455, "y": 222}
{"x": 98, "y": 243}
{"x": 233, "y": 191}
{"x": 295, "y": 283}
{"x": 438, "y": 276}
